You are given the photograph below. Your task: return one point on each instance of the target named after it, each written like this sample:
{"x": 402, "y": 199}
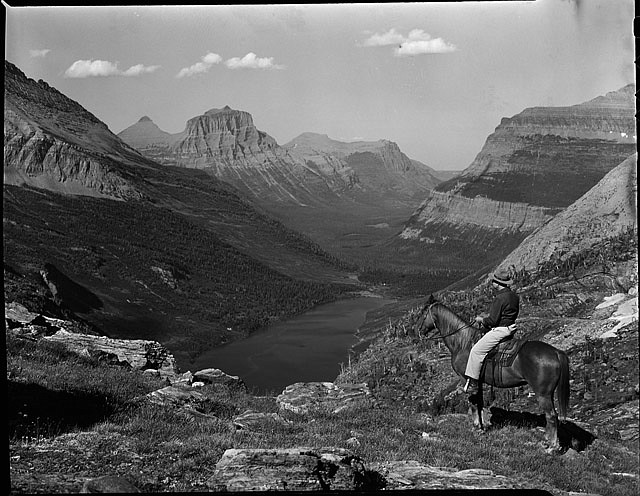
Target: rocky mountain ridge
{"x": 51, "y": 141}
{"x": 533, "y": 166}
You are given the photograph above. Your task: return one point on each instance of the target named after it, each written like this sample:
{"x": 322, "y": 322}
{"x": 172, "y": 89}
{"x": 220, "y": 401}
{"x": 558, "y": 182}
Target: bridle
{"x": 440, "y": 336}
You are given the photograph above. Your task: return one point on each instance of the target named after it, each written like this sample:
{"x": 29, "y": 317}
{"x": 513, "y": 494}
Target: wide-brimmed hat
{"x": 502, "y": 277}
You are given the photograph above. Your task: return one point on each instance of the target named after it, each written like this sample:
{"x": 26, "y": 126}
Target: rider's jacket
{"x": 503, "y": 310}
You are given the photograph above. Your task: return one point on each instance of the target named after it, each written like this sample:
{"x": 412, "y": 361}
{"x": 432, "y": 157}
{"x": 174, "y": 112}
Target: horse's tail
{"x": 563, "y": 385}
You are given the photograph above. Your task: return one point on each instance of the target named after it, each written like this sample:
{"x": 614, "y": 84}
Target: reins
{"x": 440, "y": 336}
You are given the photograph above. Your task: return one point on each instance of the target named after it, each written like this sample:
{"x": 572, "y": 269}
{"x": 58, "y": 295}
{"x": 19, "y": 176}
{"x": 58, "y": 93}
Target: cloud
{"x": 391, "y": 37}
{"x": 104, "y": 68}
{"x": 207, "y": 61}
{"x": 39, "y": 53}
{"x": 419, "y": 47}
{"x": 251, "y": 61}
{"x": 417, "y": 42}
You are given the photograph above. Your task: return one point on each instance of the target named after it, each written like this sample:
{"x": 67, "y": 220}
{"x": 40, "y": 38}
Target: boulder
{"x": 138, "y": 353}
{"x": 16, "y": 312}
{"x": 217, "y": 376}
{"x": 303, "y": 397}
{"x": 183, "y": 398}
{"x": 411, "y": 474}
{"x": 250, "y": 420}
{"x": 292, "y": 469}
{"x": 108, "y": 484}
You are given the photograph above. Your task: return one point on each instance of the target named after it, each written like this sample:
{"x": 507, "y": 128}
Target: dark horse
{"x": 543, "y": 367}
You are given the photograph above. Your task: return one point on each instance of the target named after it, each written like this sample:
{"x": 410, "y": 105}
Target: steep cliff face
{"x": 533, "y": 166}
{"x": 65, "y": 148}
{"x": 604, "y": 211}
{"x": 550, "y": 156}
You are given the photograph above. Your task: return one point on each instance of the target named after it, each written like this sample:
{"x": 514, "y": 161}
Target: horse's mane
{"x": 462, "y": 339}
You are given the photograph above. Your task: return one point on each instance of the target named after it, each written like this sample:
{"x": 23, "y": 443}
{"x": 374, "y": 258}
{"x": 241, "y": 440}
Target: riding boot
{"x": 471, "y": 386}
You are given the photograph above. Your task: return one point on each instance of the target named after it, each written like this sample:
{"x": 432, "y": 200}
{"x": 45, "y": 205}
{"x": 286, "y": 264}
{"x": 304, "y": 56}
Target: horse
{"x": 542, "y": 366}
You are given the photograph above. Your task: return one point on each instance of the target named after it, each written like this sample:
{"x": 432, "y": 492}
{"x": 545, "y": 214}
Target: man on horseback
{"x": 500, "y": 321}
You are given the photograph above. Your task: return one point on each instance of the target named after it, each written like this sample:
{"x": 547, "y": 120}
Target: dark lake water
{"x": 308, "y": 347}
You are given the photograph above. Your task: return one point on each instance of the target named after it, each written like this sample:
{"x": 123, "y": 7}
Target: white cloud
{"x": 207, "y": 61}
{"x": 39, "y": 53}
{"x": 104, "y": 68}
{"x": 417, "y": 42}
{"x": 252, "y": 61}
{"x": 419, "y": 47}
{"x": 391, "y": 37}
{"x": 138, "y": 69}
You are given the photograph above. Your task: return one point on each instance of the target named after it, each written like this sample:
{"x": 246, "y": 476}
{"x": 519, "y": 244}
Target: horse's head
{"x": 426, "y": 321}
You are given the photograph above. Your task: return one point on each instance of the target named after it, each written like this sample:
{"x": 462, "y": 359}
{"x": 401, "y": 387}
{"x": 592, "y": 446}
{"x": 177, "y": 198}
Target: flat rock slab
{"x": 138, "y": 353}
{"x": 293, "y": 469}
{"x": 411, "y": 474}
{"x": 217, "y": 376}
{"x": 251, "y": 420}
{"x": 302, "y": 397}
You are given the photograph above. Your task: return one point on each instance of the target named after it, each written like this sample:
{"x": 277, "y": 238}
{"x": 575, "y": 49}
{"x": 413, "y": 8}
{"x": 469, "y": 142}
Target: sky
{"x": 434, "y": 77}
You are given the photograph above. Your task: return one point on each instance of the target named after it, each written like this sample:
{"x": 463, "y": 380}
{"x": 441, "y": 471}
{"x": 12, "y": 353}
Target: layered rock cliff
{"x": 607, "y": 209}
{"x": 227, "y": 144}
{"x": 66, "y": 148}
{"x": 550, "y": 156}
{"x": 533, "y": 166}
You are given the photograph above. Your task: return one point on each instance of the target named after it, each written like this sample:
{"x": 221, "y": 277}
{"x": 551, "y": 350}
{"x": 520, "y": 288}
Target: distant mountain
{"x": 311, "y": 170}
{"x": 225, "y": 143}
{"x": 166, "y": 253}
{"x": 377, "y": 169}
{"x": 533, "y": 166}
{"x": 605, "y": 210}
{"x": 441, "y": 175}
{"x": 347, "y": 197}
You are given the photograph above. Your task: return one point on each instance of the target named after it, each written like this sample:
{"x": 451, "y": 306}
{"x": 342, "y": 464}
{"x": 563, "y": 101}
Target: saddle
{"x": 502, "y": 355}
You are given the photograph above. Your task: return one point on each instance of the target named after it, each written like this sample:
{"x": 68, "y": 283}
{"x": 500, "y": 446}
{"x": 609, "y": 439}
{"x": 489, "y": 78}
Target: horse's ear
{"x": 431, "y": 299}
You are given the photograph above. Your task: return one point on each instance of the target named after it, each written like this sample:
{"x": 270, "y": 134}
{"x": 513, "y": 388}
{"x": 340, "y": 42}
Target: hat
{"x": 502, "y": 277}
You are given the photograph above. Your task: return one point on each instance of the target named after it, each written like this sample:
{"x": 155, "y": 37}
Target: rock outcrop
{"x": 292, "y": 469}
{"x": 304, "y": 397}
{"x": 136, "y": 353}
{"x": 65, "y": 148}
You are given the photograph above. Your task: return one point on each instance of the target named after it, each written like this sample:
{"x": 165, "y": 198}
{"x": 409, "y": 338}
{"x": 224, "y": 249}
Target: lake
{"x": 308, "y": 347}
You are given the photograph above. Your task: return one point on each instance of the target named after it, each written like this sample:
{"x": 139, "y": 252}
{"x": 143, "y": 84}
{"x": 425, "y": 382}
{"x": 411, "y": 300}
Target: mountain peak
{"x": 145, "y": 119}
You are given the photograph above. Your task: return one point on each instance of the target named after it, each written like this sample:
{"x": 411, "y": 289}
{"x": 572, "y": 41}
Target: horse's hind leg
{"x": 546, "y": 404}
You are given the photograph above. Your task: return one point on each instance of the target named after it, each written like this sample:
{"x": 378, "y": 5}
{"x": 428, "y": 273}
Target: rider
{"x": 500, "y": 321}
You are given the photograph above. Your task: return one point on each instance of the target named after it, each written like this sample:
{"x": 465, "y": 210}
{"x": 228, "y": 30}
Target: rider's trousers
{"x": 484, "y": 346}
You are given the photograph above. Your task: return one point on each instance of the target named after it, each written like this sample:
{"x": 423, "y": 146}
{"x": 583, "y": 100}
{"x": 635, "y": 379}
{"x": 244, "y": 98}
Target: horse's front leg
{"x": 476, "y": 409}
